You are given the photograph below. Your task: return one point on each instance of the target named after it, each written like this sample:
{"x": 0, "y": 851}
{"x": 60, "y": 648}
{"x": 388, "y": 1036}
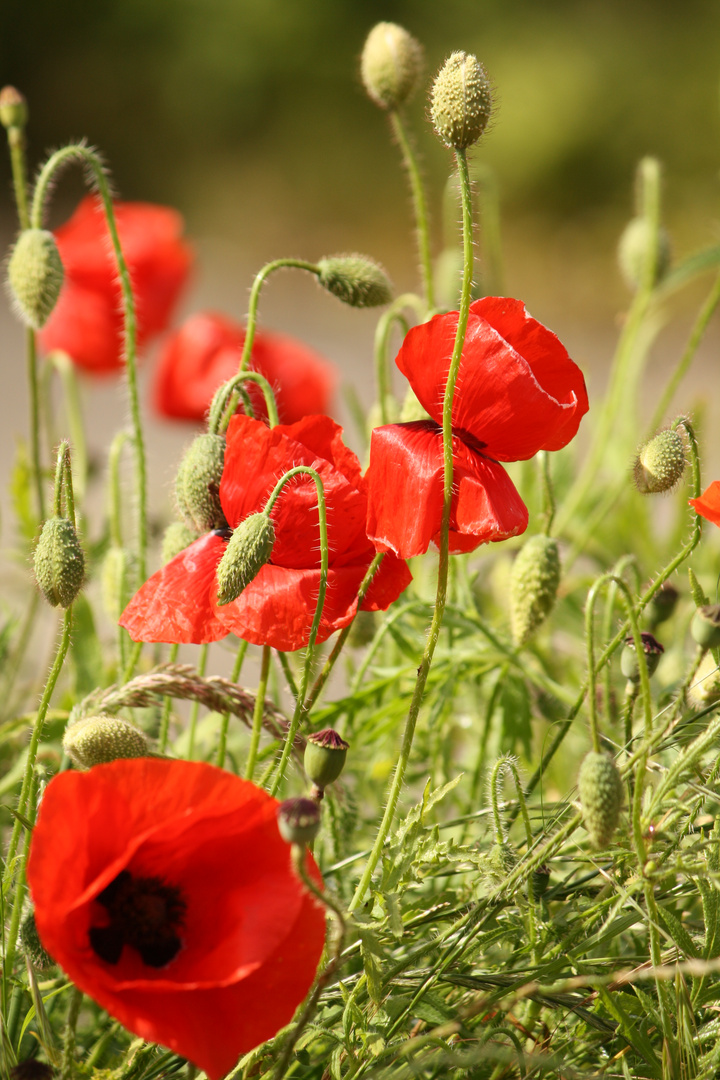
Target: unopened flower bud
{"x": 601, "y": 796}
{"x": 652, "y": 649}
{"x": 705, "y": 687}
{"x": 705, "y": 626}
{"x": 534, "y": 584}
{"x": 325, "y": 753}
{"x": 249, "y": 549}
{"x": 540, "y": 881}
{"x": 390, "y": 65}
{"x": 13, "y": 108}
{"x": 634, "y": 249}
{"x": 117, "y": 580}
{"x": 32, "y": 946}
{"x": 59, "y": 562}
{"x": 298, "y": 820}
{"x": 176, "y": 538}
{"x": 663, "y": 604}
{"x": 95, "y": 740}
{"x": 197, "y": 484}
{"x": 356, "y": 280}
{"x": 660, "y": 463}
{"x": 35, "y": 276}
{"x": 461, "y": 101}
{"x": 31, "y": 1069}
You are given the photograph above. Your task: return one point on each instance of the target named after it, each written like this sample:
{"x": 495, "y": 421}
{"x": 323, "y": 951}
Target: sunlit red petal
{"x": 175, "y": 605}
{"x": 708, "y": 504}
{"x": 391, "y": 578}
{"x": 303, "y": 381}
{"x": 87, "y": 325}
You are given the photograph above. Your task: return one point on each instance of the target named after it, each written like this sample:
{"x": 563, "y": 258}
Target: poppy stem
{"x": 237, "y": 668}
{"x": 226, "y": 399}
{"x": 258, "y": 713}
{"x": 382, "y": 338}
{"x": 444, "y": 561}
{"x": 422, "y": 228}
{"x": 195, "y": 707}
{"x": 167, "y": 707}
{"x": 260, "y": 279}
{"x": 68, "y": 1055}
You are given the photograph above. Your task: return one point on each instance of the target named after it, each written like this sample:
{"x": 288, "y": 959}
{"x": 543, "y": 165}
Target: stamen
{"x": 146, "y": 914}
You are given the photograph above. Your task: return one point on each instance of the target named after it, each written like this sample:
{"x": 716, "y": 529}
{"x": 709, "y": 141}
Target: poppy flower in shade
{"x": 164, "y": 890}
{"x": 179, "y": 602}
{"x": 517, "y": 392}
{"x": 205, "y": 352}
{"x": 708, "y": 504}
{"x": 87, "y": 322}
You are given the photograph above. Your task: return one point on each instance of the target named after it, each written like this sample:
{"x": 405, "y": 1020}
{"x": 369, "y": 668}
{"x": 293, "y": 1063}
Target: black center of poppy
{"x": 146, "y": 914}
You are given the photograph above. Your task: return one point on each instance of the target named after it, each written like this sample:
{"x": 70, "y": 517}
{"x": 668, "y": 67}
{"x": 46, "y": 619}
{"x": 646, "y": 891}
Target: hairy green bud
{"x": 634, "y": 250}
{"x": 95, "y": 740}
{"x": 325, "y": 753}
{"x": 705, "y": 687}
{"x": 461, "y": 101}
{"x": 601, "y": 796}
{"x": 13, "y": 108}
{"x": 390, "y": 65}
{"x": 298, "y": 820}
{"x": 176, "y": 538}
{"x": 197, "y": 484}
{"x": 356, "y": 280}
{"x": 32, "y": 946}
{"x": 534, "y": 582}
{"x": 705, "y": 626}
{"x": 660, "y": 463}
{"x": 59, "y": 562}
{"x": 662, "y": 605}
{"x": 35, "y": 276}
{"x": 249, "y": 549}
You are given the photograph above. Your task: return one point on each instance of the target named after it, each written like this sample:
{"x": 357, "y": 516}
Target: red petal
{"x": 391, "y": 578}
{"x": 708, "y": 504}
{"x": 87, "y": 325}
{"x": 303, "y": 381}
{"x": 174, "y": 605}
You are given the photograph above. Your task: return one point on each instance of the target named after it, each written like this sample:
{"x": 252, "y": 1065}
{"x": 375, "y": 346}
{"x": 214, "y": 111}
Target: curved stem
{"x": 382, "y": 338}
{"x": 258, "y": 712}
{"x": 260, "y": 279}
{"x": 226, "y": 398}
{"x": 419, "y": 205}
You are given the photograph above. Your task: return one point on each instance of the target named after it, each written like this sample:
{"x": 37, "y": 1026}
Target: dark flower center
{"x": 146, "y": 914}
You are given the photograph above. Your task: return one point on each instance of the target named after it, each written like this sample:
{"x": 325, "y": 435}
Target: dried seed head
{"x": 601, "y": 796}
{"x": 534, "y": 582}
{"x": 390, "y": 65}
{"x": 356, "y": 280}
{"x": 634, "y": 250}
{"x": 35, "y": 276}
{"x": 249, "y": 549}
{"x": 59, "y": 562}
{"x": 461, "y": 101}
{"x": 660, "y": 463}
{"x": 652, "y": 649}
{"x": 197, "y": 484}
{"x": 298, "y": 820}
{"x": 176, "y": 538}
{"x": 325, "y": 753}
{"x": 95, "y": 740}
{"x": 705, "y": 626}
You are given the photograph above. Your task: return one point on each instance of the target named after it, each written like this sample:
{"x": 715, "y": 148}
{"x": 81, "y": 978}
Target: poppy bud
{"x": 197, "y": 484}
{"x": 176, "y": 538}
{"x": 325, "y": 753}
{"x": 629, "y": 661}
{"x": 500, "y": 861}
{"x": 59, "y": 562}
{"x": 660, "y": 463}
{"x": 13, "y": 108}
{"x": 663, "y": 604}
{"x": 35, "y": 276}
{"x": 390, "y": 65}
{"x": 705, "y": 626}
{"x": 534, "y": 584}
{"x": 461, "y": 101}
{"x": 705, "y": 688}
{"x": 356, "y": 280}
{"x": 31, "y": 1069}
{"x": 298, "y": 820}
{"x": 540, "y": 881}
{"x": 601, "y": 796}
{"x": 95, "y": 740}
{"x": 32, "y": 946}
{"x": 116, "y": 580}
{"x": 633, "y": 251}
{"x": 249, "y": 549}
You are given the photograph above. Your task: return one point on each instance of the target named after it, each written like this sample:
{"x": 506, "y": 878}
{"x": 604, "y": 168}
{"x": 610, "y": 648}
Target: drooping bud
{"x": 249, "y": 549}
{"x": 660, "y": 463}
{"x": 95, "y": 740}
{"x": 634, "y": 250}
{"x": 601, "y": 796}
{"x": 176, "y": 538}
{"x": 540, "y": 880}
{"x": 652, "y": 649}
{"x": 705, "y": 687}
{"x": 117, "y": 580}
{"x": 197, "y": 484}
{"x": 662, "y": 605}
{"x": 13, "y": 108}
{"x": 32, "y": 946}
{"x": 390, "y": 65}
{"x": 35, "y": 276}
{"x": 59, "y": 562}
{"x": 325, "y": 753}
{"x": 534, "y": 584}
{"x": 461, "y": 101}
{"x": 356, "y": 280}
{"x": 298, "y": 820}
{"x": 705, "y": 626}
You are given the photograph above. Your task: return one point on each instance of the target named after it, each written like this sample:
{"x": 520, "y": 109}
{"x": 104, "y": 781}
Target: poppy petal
{"x": 708, "y": 504}
{"x": 87, "y": 325}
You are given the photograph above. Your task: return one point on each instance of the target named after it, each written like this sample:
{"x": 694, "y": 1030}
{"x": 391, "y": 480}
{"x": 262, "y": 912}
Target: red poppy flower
{"x": 164, "y": 890}
{"x": 205, "y": 352}
{"x": 87, "y": 322}
{"x": 708, "y": 504}
{"x": 178, "y": 603}
{"x": 517, "y": 392}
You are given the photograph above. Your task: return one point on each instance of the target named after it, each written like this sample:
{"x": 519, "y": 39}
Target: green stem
{"x": 226, "y": 398}
{"x": 222, "y": 742}
{"x": 419, "y": 206}
{"x": 548, "y": 492}
{"x": 258, "y": 712}
{"x": 61, "y": 362}
{"x": 195, "y": 707}
{"x": 16, "y": 145}
{"x": 31, "y": 352}
{"x": 443, "y": 566}
{"x": 68, "y": 1055}
{"x": 167, "y": 708}
{"x": 116, "y": 449}
{"x": 382, "y": 338}
{"x": 260, "y": 279}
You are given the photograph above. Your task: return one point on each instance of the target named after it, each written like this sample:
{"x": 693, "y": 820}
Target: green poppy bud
{"x": 35, "y": 276}
{"x": 298, "y": 820}
{"x": 662, "y": 605}
{"x": 197, "y": 484}
{"x": 95, "y": 740}
{"x": 633, "y": 251}
{"x": 176, "y": 538}
{"x": 249, "y": 549}
{"x": 534, "y": 582}
{"x": 356, "y": 280}
{"x": 540, "y": 881}
{"x": 117, "y": 580}
{"x": 705, "y": 687}
{"x": 13, "y": 108}
{"x": 660, "y": 463}
{"x": 499, "y": 862}
{"x": 461, "y": 101}
{"x": 325, "y": 753}
{"x": 390, "y": 65}
{"x": 31, "y": 1069}
{"x": 32, "y": 946}
{"x": 705, "y": 626}
{"x": 601, "y": 796}
{"x": 59, "y": 562}
{"x": 629, "y": 660}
